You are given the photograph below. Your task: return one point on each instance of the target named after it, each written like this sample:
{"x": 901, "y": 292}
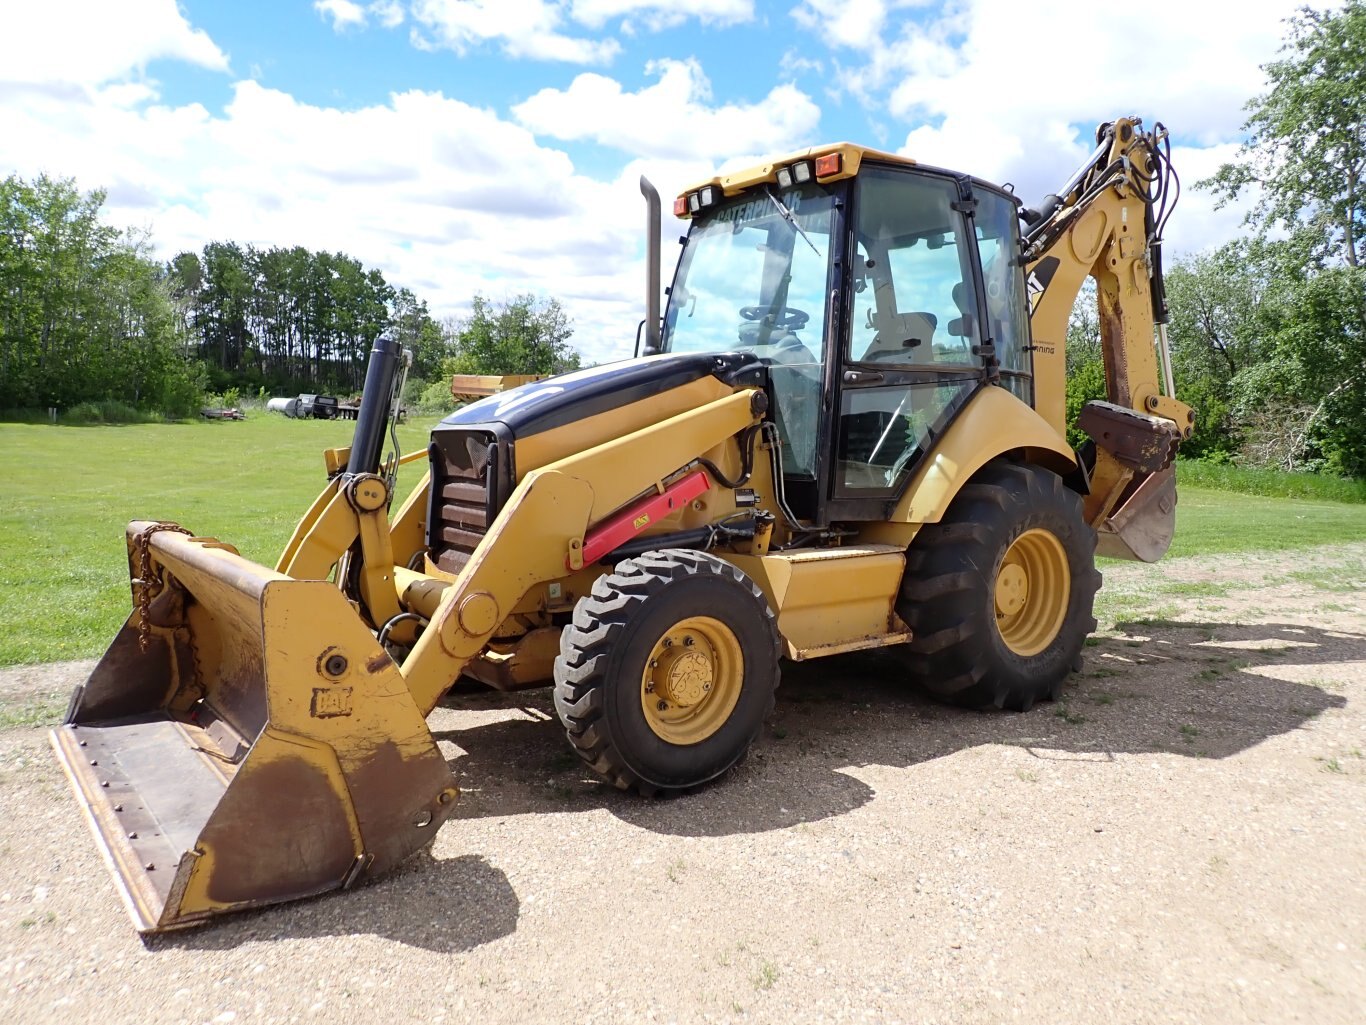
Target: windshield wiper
{"x": 787, "y": 216}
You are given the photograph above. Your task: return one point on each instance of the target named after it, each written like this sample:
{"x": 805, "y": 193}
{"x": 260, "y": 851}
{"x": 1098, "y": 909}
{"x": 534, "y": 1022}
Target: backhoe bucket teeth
{"x": 1143, "y": 524}
{"x": 260, "y": 747}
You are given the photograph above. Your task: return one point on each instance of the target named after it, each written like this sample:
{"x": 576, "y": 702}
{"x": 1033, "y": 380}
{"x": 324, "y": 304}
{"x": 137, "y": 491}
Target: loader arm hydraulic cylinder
{"x": 368, "y": 441}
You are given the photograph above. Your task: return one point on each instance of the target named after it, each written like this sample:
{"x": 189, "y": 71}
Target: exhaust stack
{"x": 652, "y": 246}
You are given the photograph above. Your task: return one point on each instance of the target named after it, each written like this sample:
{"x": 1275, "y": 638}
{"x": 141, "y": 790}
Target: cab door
{"x": 912, "y": 351}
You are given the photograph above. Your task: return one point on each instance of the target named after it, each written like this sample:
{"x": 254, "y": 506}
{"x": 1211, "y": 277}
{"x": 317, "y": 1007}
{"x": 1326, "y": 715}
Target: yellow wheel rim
{"x": 692, "y": 680}
{"x": 1033, "y": 588}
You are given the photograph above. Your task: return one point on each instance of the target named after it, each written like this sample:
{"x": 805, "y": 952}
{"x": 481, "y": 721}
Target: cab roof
{"x": 851, "y": 157}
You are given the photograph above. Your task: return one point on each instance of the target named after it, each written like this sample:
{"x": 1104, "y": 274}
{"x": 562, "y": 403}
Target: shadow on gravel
{"x": 1202, "y": 690}
{"x": 446, "y": 905}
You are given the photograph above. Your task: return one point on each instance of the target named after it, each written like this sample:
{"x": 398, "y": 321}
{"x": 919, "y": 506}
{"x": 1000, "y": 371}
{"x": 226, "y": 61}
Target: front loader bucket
{"x": 1143, "y": 524}
{"x": 258, "y": 748}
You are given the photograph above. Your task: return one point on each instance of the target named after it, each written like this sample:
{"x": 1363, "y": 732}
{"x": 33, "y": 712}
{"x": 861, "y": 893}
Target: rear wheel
{"x": 999, "y": 594}
{"x": 668, "y": 670}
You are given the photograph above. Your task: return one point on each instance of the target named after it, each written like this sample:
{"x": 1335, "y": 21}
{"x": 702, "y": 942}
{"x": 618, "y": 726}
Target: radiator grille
{"x": 464, "y": 489}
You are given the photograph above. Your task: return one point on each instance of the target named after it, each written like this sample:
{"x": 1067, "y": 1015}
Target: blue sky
{"x": 494, "y": 145}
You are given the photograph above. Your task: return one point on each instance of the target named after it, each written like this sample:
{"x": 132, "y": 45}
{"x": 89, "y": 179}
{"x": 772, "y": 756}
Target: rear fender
{"x": 995, "y": 423}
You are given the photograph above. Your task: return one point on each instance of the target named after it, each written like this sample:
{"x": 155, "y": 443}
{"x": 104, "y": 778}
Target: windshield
{"x": 752, "y": 279}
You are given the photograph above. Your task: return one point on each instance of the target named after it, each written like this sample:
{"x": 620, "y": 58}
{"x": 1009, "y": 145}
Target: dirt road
{"x": 1181, "y": 839}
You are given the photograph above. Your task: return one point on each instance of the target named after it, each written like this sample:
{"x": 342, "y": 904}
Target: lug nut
{"x": 662, "y": 705}
{"x": 687, "y": 642}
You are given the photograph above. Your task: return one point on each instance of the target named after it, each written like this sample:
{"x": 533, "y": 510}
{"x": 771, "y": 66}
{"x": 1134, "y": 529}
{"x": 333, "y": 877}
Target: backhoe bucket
{"x": 249, "y": 743}
{"x": 1143, "y": 524}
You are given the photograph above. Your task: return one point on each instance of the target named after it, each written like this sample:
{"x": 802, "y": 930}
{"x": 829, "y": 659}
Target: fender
{"x": 993, "y": 423}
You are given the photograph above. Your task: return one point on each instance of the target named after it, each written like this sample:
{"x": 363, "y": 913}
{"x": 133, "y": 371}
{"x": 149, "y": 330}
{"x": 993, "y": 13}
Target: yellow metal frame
{"x": 535, "y": 536}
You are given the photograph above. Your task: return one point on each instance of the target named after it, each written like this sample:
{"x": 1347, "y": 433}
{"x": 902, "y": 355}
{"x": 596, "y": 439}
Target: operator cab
{"x": 886, "y": 291}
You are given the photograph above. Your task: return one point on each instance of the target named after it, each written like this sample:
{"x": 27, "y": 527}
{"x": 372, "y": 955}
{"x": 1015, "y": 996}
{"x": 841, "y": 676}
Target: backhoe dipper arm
{"x": 1106, "y": 223}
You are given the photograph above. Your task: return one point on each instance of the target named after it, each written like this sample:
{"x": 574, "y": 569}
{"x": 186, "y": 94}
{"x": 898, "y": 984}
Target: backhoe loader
{"x": 845, "y": 430}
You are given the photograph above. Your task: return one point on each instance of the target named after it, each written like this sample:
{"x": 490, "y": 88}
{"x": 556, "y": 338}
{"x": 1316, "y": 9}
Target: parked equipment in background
{"x": 471, "y": 387}
{"x": 846, "y": 431}
{"x": 350, "y": 409}
{"x": 303, "y": 407}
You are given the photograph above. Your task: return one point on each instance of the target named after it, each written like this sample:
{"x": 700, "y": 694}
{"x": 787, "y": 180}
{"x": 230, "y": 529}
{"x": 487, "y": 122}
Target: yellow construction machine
{"x": 844, "y": 430}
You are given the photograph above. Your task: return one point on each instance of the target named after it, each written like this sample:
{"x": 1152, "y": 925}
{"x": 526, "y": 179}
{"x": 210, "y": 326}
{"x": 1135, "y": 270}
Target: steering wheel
{"x": 789, "y": 317}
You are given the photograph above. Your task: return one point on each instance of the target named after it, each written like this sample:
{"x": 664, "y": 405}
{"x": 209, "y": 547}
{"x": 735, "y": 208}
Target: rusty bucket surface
{"x": 245, "y": 741}
{"x": 1144, "y": 523}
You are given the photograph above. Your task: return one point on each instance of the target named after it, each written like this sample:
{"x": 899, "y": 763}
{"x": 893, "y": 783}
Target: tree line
{"x": 87, "y": 314}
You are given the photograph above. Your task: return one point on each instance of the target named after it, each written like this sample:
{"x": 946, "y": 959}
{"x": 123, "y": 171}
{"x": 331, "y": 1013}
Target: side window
{"x": 998, "y": 241}
{"x": 883, "y": 430}
{"x": 913, "y": 302}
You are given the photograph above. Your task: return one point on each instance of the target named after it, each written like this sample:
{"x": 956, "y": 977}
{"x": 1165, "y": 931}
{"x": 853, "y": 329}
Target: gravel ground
{"x": 1180, "y": 839}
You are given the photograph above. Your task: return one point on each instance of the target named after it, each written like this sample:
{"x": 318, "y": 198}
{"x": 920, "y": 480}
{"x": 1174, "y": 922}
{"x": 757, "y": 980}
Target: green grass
{"x": 63, "y": 569}
{"x": 63, "y": 563}
{"x": 1210, "y": 522}
{"x": 1268, "y": 483}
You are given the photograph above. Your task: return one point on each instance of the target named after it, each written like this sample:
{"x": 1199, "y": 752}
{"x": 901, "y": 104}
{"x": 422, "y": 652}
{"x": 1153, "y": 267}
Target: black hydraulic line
{"x": 770, "y": 430}
{"x": 383, "y": 635}
{"x": 698, "y": 538}
{"x": 746, "y": 461}
{"x": 373, "y": 416}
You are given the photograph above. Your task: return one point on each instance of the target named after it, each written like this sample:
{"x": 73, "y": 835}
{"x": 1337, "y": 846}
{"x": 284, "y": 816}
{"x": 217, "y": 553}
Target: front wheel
{"x": 668, "y": 670}
{"x": 999, "y": 594}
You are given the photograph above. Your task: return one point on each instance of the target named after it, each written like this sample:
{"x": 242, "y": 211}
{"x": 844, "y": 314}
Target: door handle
{"x": 862, "y": 377}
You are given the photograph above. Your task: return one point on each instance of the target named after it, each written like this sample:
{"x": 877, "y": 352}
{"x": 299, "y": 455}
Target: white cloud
{"x": 1016, "y": 101}
{"x": 82, "y": 43}
{"x": 658, "y": 14}
{"x": 389, "y": 13}
{"x": 348, "y": 14}
{"x": 857, "y": 24}
{"x": 444, "y": 197}
{"x": 344, "y": 14}
{"x": 524, "y": 28}
{"x": 672, "y": 118}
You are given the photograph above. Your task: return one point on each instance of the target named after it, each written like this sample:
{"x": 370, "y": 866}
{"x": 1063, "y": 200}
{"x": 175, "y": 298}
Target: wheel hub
{"x": 1032, "y": 592}
{"x": 1012, "y": 590}
{"x": 683, "y": 676}
{"x": 692, "y": 680}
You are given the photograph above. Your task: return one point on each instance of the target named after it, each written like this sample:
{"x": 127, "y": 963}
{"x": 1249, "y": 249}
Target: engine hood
{"x": 556, "y": 401}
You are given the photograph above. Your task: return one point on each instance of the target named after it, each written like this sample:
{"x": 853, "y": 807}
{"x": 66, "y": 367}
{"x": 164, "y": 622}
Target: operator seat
{"x": 899, "y": 334}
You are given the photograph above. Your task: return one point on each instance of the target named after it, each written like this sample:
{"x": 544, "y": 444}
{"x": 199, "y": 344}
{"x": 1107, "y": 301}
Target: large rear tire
{"x": 999, "y": 594}
{"x": 668, "y": 670}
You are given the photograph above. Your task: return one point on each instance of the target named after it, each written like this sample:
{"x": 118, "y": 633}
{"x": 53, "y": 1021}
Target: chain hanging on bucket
{"x": 145, "y": 582}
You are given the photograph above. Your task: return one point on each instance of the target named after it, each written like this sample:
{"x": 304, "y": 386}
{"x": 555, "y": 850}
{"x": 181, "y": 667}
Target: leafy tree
{"x": 85, "y": 313}
{"x": 520, "y": 335}
{"x": 1307, "y": 144}
{"x": 1219, "y": 322}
